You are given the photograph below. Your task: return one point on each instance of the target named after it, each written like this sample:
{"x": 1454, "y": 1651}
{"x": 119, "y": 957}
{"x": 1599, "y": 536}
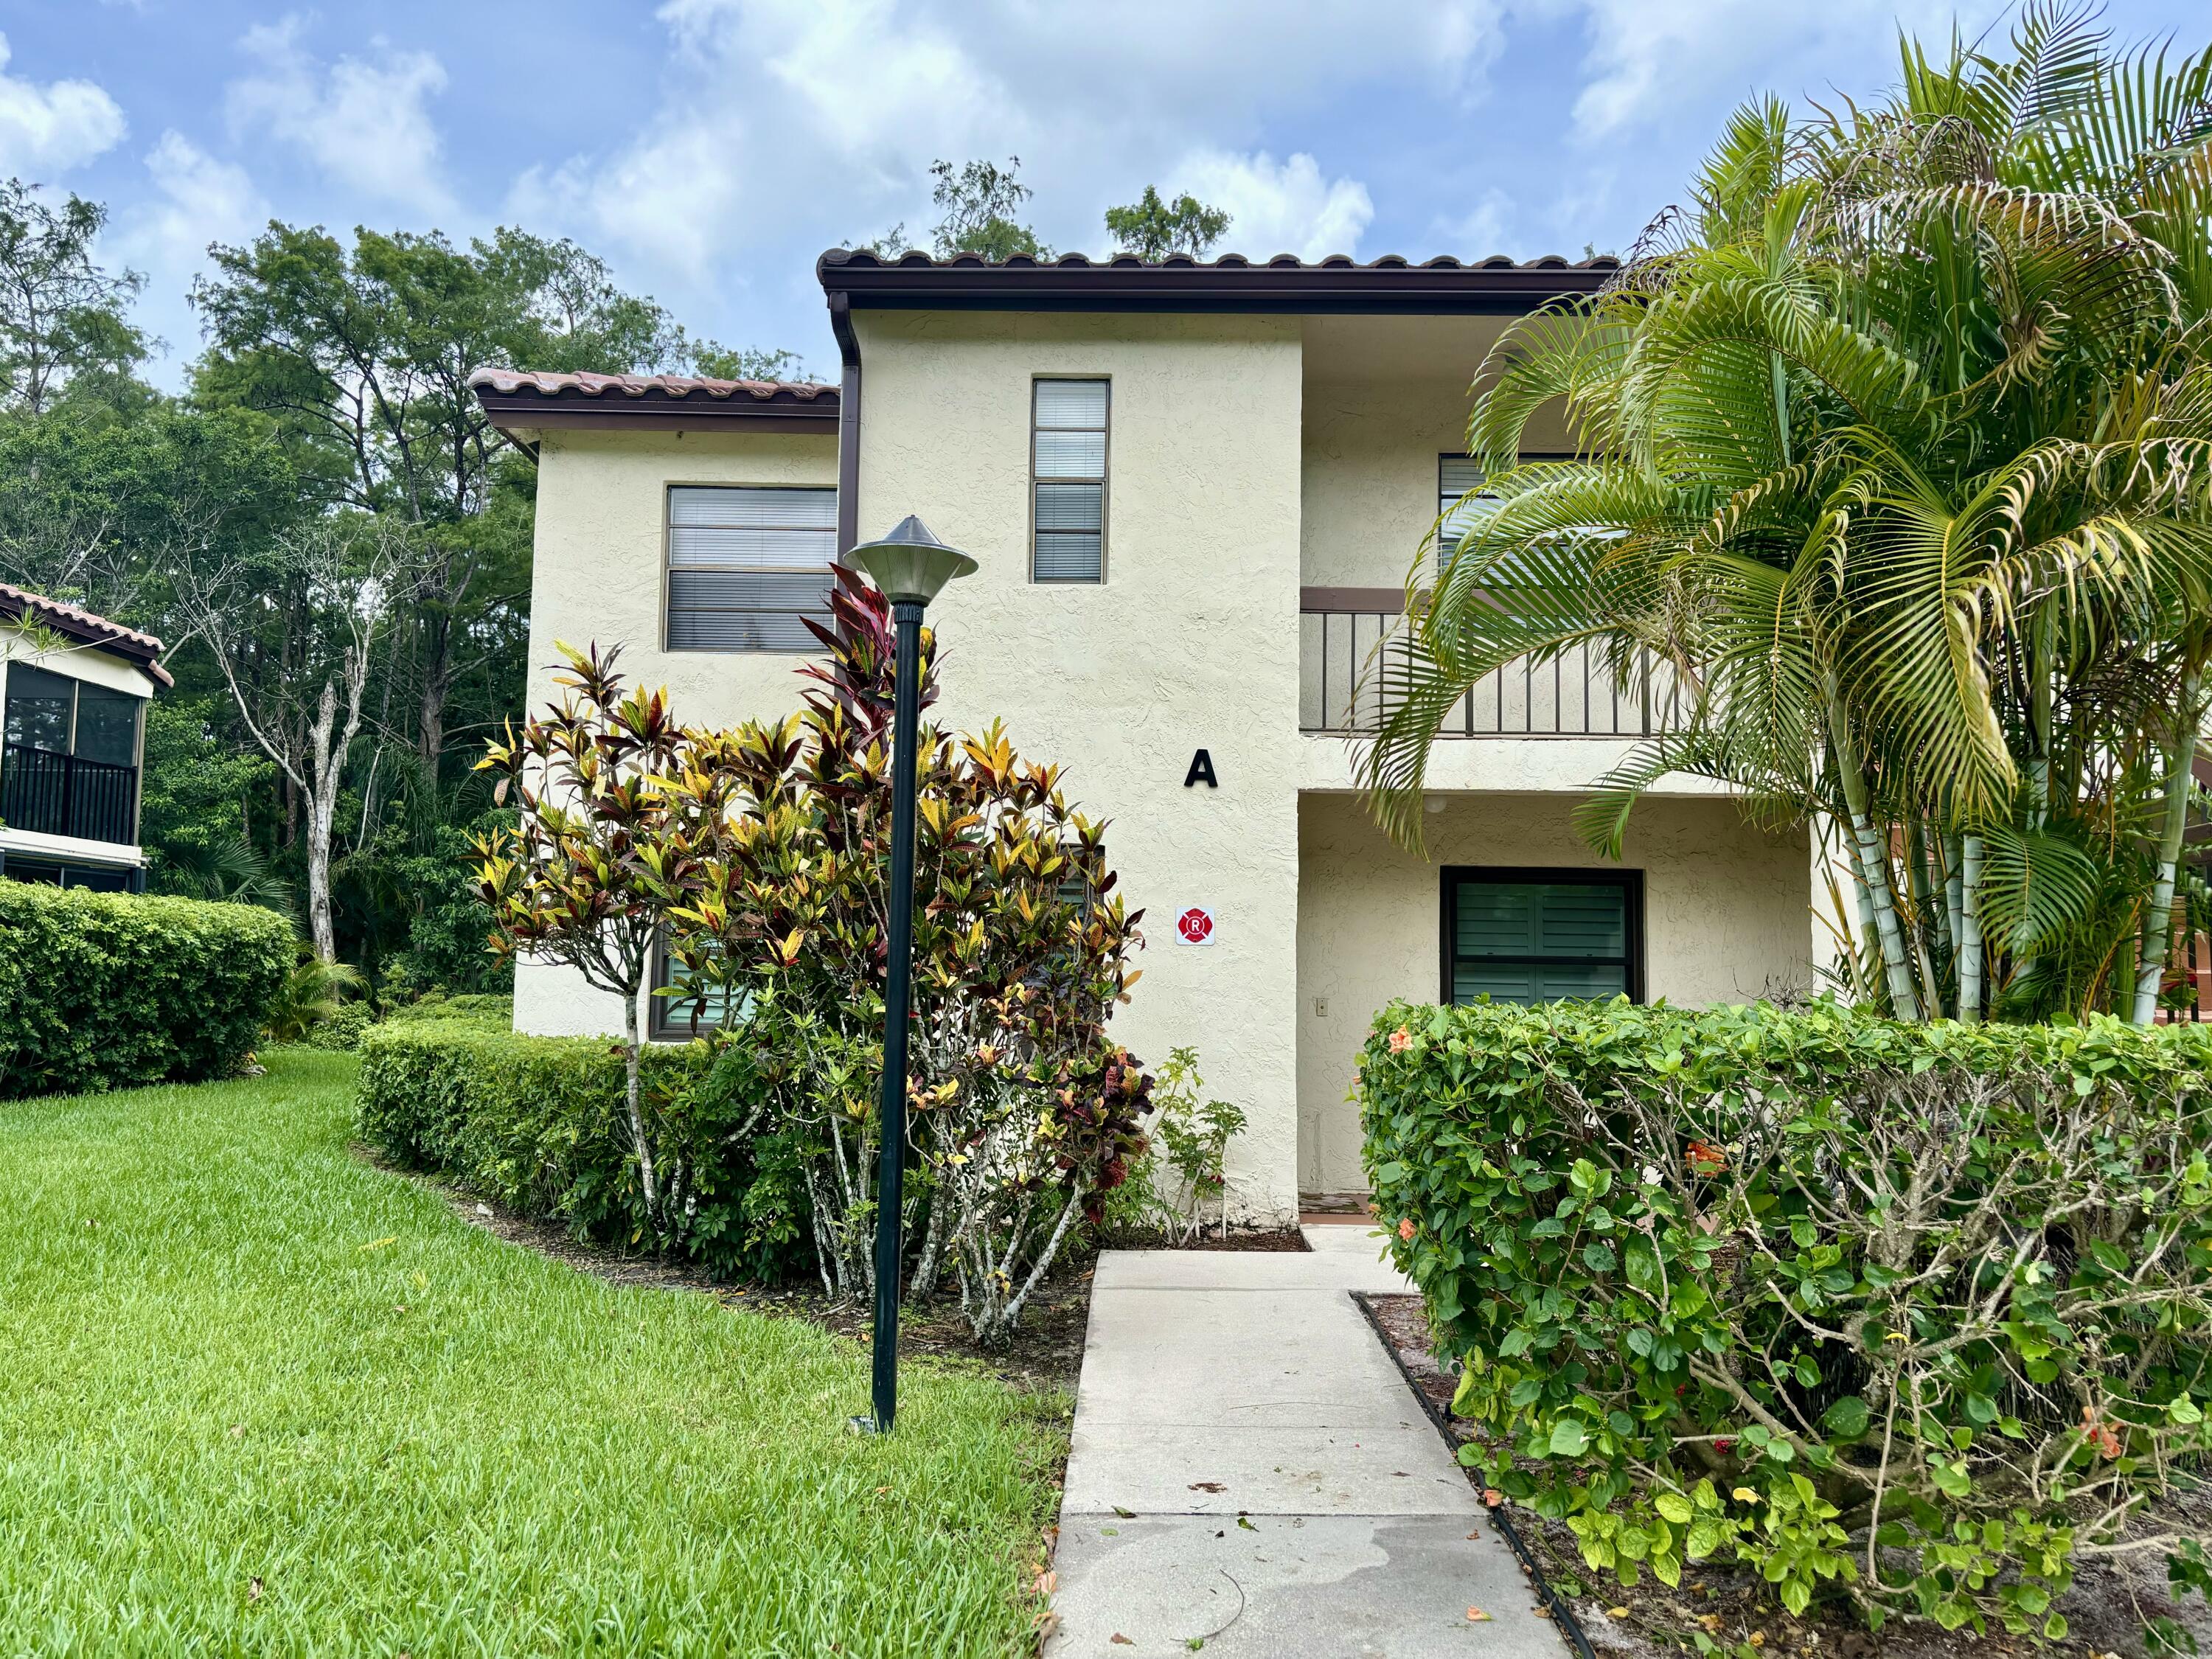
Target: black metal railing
{"x": 52, "y": 793}
{"x": 1343, "y": 691}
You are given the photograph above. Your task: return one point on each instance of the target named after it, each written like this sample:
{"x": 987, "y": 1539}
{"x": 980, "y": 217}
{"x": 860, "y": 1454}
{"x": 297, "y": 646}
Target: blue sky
{"x": 708, "y": 149}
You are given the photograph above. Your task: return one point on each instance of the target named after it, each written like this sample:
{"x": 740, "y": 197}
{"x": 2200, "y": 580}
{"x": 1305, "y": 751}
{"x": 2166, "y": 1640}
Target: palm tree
{"x": 1895, "y": 453}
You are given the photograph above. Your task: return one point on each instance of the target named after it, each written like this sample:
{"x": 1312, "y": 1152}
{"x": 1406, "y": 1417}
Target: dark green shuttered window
{"x": 1542, "y": 935}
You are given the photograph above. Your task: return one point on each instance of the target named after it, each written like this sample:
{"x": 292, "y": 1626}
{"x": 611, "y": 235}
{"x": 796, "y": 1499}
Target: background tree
{"x": 1152, "y": 229}
{"x": 981, "y": 203}
{"x": 296, "y": 630}
{"x": 364, "y": 354}
{"x": 62, "y": 314}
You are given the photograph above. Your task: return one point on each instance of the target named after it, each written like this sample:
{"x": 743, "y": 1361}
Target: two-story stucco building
{"x": 73, "y": 693}
{"x": 1195, "y": 490}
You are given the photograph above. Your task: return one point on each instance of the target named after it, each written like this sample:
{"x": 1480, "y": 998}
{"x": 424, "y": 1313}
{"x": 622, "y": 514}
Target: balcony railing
{"x": 56, "y": 794}
{"x": 1576, "y": 695}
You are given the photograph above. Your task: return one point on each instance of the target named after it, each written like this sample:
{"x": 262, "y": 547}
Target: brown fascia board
{"x": 656, "y": 411}
{"x": 1442, "y": 287}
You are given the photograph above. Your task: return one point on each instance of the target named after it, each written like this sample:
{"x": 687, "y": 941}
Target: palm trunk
{"x": 2157, "y": 924}
{"x": 1970, "y": 929}
{"x": 1874, "y": 860}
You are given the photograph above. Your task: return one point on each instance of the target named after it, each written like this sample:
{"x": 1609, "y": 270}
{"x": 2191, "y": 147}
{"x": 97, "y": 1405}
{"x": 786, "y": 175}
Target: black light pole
{"x": 909, "y": 567}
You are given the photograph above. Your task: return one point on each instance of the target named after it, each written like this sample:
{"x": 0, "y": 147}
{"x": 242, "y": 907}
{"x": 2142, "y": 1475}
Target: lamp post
{"x": 909, "y": 567}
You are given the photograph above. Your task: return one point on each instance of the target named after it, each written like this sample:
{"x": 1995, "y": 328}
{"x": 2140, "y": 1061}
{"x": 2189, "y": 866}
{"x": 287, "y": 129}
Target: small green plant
{"x": 310, "y": 997}
{"x": 1196, "y": 1132}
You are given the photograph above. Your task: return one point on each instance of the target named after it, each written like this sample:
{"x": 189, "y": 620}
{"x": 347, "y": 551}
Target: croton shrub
{"x": 1915, "y": 1315}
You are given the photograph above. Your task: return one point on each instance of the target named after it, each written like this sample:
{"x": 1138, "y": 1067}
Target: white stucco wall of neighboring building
{"x": 1190, "y": 642}
{"x": 1726, "y": 920}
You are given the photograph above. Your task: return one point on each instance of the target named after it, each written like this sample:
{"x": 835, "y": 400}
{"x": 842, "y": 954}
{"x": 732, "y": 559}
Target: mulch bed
{"x": 2106, "y": 1609}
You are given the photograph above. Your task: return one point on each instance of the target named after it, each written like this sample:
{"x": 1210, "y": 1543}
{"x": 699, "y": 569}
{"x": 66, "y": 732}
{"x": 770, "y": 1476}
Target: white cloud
{"x": 1648, "y": 58}
{"x": 1285, "y": 209}
{"x": 197, "y": 200}
{"x": 797, "y": 120}
{"x": 1485, "y": 228}
{"x": 54, "y": 127}
{"x": 364, "y": 122}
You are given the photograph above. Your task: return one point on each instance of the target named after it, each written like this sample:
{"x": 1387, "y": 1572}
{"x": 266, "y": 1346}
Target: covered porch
{"x": 1703, "y": 907}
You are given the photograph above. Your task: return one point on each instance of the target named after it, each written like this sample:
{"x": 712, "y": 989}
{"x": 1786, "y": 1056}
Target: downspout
{"x": 848, "y": 422}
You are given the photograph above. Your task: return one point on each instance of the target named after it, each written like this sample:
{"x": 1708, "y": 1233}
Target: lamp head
{"x": 909, "y": 564}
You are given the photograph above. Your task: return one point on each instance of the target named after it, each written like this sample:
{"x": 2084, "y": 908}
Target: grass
{"x": 257, "y": 1397}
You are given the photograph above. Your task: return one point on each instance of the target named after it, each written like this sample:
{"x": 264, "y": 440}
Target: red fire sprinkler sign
{"x": 1195, "y": 926}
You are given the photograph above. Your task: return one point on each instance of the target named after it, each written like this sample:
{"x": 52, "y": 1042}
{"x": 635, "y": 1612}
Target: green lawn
{"x": 258, "y": 1398}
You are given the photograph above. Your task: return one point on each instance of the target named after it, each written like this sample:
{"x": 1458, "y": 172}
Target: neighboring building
{"x": 1194, "y": 490}
{"x": 74, "y": 688}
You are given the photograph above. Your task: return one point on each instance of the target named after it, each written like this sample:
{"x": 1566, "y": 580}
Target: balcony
{"x": 1341, "y": 630}
{"x": 49, "y": 793}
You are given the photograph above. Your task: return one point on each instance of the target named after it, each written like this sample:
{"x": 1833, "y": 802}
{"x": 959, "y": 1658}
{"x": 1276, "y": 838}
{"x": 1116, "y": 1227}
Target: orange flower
{"x": 1405, "y": 1229}
{"x": 1400, "y": 1039}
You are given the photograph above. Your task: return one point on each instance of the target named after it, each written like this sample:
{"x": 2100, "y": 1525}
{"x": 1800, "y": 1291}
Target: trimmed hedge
{"x": 536, "y": 1123}
{"x": 1757, "y": 1284}
{"x": 110, "y": 990}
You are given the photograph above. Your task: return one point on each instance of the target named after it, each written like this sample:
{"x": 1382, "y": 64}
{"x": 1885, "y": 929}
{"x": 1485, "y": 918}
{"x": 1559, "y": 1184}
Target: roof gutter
{"x": 1441, "y": 288}
{"x": 848, "y": 422}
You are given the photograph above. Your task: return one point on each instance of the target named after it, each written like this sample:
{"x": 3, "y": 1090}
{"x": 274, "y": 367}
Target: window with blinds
{"x": 680, "y": 1009}
{"x": 1067, "y": 481}
{"x": 1541, "y": 936}
{"x": 1457, "y": 514}
{"x": 746, "y": 563}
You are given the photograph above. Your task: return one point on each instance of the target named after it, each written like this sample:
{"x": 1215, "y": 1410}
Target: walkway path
{"x": 1251, "y": 1474}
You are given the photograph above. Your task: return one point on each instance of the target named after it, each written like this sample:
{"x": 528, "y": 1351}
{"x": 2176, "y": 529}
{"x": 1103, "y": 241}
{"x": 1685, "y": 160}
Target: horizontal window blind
{"x": 746, "y": 563}
{"x": 1539, "y": 941}
{"x": 1067, "y": 472}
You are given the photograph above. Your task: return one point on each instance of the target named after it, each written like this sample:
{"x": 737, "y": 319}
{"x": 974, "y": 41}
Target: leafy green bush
{"x": 1912, "y": 1315}
{"x": 343, "y": 1028}
{"x": 538, "y": 1124}
{"x": 108, "y": 990}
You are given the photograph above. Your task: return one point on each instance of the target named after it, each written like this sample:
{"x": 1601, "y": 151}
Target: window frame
{"x": 1630, "y": 882}
{"x": 1105, "y": 478}
{"x": 1444, "y": 455}
{"x": 660, "y": 1023}
{"x": 668, "y": 489}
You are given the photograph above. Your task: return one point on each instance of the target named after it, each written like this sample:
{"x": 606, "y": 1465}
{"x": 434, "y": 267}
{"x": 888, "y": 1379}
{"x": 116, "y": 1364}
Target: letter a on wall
{"x": 1201, "y": 771}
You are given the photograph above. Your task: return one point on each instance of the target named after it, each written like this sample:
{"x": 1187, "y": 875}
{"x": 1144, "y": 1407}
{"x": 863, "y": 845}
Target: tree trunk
{"x": 2157, "y": 924}
{"x": 633, "y": 1062}
{"x": 1970, "y": 929}
{"x": 322, "y": 804}
{"x": 1874, "y": 860}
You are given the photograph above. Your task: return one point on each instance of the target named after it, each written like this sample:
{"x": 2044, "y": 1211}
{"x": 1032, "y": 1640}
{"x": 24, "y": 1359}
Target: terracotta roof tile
{"x": 914, "y": 260}
{"x": 75, "y": 623}
{"x": 510, "y": 382}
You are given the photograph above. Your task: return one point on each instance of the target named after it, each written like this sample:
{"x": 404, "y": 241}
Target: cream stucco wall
{"x": 597, "y": 576}
{"x": 1726, "y": 919}
{"x": 1190, "y": 642}
{"x": 1383, "y": 398}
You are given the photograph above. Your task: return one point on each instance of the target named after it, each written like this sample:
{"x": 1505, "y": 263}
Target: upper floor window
{"x": 746, "y": 563}
{"x": 64, "y": 716}
{"x": 1067, "y": 481}
{"x": 1462, "y": 500}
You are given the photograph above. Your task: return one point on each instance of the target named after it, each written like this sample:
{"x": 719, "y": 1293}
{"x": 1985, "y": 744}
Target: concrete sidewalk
{"x": 1251, "y": 1474}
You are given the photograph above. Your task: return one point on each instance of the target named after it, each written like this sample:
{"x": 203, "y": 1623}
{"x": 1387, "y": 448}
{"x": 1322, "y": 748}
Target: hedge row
{"x": 1758, "y": 1285}
{"x": 110, "y": 990}
{"x": 534, "y": 1122}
